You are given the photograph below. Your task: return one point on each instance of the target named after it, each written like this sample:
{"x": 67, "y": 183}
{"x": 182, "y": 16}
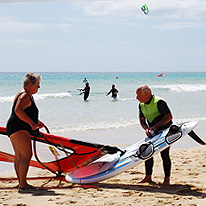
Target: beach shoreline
{"x": 122, "y": 137}
{"x": 188, "y": 186}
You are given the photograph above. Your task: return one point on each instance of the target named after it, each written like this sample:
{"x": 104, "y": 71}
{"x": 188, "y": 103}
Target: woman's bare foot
{"x": 27, "y": 187}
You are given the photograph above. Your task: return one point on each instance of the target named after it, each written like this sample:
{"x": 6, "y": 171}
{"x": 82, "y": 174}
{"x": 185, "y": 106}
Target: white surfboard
{"x": 110, "y": 165}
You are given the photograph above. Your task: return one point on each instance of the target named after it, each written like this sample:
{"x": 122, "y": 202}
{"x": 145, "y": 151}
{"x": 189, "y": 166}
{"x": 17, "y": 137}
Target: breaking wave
{"x": 61, "y": 95}
{"x": 182, "y": 87}
{"x": 110, "y": 125}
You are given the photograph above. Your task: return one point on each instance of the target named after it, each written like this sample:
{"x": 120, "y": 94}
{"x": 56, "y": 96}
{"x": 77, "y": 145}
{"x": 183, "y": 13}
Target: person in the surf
{"x": 85, "y": 80}
{"x": 85, "y": 91}
{"x": 154, "y": 115}
{"x": 114, "y": 92}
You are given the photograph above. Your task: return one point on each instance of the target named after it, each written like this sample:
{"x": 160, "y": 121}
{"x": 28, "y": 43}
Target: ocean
{"x": 64, "y": 111}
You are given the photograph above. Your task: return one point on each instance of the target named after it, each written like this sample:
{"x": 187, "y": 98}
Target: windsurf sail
{"x": 61, "y": 154}
{"x": 10, "y": 158}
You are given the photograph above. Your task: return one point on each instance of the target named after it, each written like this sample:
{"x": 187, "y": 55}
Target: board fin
{"x": 194, "y": 136}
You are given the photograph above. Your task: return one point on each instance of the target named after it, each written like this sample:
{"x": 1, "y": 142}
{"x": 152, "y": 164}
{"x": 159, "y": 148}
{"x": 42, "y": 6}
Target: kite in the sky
{"x": 145, "y": 9}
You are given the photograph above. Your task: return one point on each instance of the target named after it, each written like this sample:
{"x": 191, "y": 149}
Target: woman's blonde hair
{"x": 31, "y": 78}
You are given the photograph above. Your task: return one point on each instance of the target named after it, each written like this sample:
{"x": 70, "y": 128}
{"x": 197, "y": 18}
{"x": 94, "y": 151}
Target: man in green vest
{"x": 154, "y": 115}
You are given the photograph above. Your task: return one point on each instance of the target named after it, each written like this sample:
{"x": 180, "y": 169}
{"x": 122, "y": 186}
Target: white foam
{"x": 127, "y": 99}
{"x": 54, "y": 95}
{"x": 182, "y": 87}
{"x": 7, "y": 99}
{"x": 39, "y": 96}
{"x": 110, "y": 125}
{"x": 94, "y": 126}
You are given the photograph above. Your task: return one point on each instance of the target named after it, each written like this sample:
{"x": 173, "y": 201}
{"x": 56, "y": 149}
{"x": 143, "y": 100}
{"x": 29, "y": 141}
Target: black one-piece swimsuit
{"x": 15, "y": 124}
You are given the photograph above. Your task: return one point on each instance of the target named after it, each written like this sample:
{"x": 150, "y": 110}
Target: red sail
{"x": 64, "y": 154}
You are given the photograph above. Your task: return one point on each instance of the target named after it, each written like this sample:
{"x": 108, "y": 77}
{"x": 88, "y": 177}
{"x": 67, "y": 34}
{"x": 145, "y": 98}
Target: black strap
{"x": 16, "y": 100}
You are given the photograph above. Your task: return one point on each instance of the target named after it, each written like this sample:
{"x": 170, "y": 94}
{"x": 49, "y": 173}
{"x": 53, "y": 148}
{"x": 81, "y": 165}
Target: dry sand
{"x": 188, "y": 186}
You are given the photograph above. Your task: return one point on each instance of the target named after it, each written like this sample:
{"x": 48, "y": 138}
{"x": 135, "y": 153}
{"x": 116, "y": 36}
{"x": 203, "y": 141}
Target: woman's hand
{"x": 34, "y": 126}
{"x": 40, "y": 124}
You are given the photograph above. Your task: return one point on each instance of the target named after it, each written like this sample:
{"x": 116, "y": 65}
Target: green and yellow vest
{"x": 150, "y": 111}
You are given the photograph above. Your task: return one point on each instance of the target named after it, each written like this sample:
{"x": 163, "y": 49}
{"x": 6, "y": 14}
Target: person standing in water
{"x": 86, "y": 91}
{"x": 114, "y": 92}
{"x": 24, "y": 120}
{"x": 85, "y": 80}
{"x": 154, "y": 115}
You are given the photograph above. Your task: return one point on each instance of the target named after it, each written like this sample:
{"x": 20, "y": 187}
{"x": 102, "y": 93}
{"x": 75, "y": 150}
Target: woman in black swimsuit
{"x": 23, "y": 120}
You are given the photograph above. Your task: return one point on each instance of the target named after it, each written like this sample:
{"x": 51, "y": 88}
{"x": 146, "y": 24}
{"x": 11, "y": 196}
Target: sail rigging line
{"x": 58, "y": 146}
{"x": 37, "y": 158}
{"x": 106, "y": 148}
{"x": 56, "y": 155}
{"x": 47, "y": 129}
{"x": 68, "y": 155}
{"x": 58, "y": 174}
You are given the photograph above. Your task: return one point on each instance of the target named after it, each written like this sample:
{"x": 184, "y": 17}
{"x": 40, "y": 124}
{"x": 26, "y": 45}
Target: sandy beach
{"x": 188, "y": 185}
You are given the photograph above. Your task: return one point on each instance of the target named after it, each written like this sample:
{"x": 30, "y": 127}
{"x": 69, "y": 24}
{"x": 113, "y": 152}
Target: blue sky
{"x": 102, "y": 36}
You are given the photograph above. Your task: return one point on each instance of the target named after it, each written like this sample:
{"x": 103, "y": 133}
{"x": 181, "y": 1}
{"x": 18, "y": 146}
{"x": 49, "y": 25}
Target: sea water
{"x": 64, "y": 111}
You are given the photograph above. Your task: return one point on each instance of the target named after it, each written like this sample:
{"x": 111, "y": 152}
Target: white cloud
{"x": 18, "y": 1}
{"x": 158, "y": 8}
{"x": 178, "y": 25}
{"x": 181, "y": 13}
{"x": 9, "y": 25}
{"x": 7, "y": 18}
{"x": 29, "y": 1}
{"x": 109, "y": 8}
{"x": 14, "y": 26}
{"x": 22, "y": 42}
{"x": 170, "y": 9}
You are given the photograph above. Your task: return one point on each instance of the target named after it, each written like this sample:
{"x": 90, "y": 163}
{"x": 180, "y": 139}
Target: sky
{"x": 102, "y": 36}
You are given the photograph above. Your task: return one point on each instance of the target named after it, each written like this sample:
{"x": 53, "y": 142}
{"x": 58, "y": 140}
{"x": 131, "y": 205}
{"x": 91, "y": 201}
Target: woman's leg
{"x": 21, "y": 142}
